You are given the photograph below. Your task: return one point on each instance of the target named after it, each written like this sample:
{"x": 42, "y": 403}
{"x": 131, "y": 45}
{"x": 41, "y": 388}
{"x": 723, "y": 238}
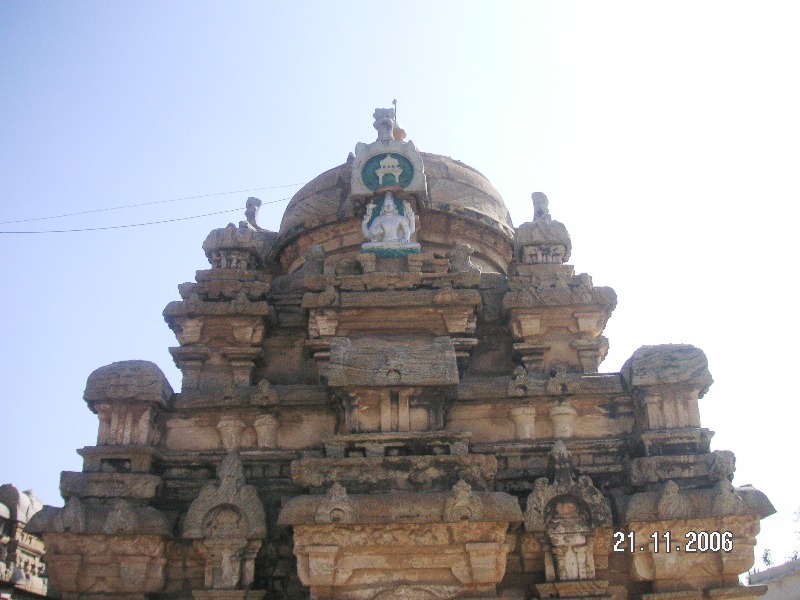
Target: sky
{"x": 664, "y": 134}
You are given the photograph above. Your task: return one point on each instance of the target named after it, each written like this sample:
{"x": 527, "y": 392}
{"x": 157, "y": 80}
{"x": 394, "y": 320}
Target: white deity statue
{"x": 389, "y": 227}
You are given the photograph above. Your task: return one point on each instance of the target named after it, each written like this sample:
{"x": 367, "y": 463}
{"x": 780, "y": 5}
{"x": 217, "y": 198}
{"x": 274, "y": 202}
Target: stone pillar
{"x": 230, "y": 432}
{"x": 266, "y": 427}
{"x": 524, "y": 418}
{"x": 563, "y": 419}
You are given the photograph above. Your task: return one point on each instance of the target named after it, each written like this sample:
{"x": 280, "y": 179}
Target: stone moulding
{"x": 719, "y": 501}
{"x": 136, "y": 486}
{"x": 234, "y": 247}
{"x": 408, "y": 361}
{"x": 455, "y": 539}
{"x": 405, "y": 507}
{"x": 398, "y": 473}
{"x": 120, "y": 516}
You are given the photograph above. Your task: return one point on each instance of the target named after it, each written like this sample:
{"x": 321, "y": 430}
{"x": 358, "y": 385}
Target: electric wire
{"x": 142, "y": 224}
{"x": 96, "y": 210}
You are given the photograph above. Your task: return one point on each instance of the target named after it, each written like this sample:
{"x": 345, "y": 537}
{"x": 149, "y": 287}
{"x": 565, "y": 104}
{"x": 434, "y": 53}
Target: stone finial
{"x": 251, "y": 208}
{"x": 543, "y": 240}
{"x": 384, "y": 123}
{"x": 541, "y": 210}
{"x": 239, "y": 248}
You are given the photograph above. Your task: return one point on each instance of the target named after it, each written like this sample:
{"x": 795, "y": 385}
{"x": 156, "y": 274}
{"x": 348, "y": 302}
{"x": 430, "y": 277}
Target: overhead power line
{"x": 140, "y": 224}
{"x": 97, "y": 210}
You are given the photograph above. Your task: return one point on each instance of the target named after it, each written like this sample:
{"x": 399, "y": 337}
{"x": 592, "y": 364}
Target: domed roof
{"x": 453, "y": 187}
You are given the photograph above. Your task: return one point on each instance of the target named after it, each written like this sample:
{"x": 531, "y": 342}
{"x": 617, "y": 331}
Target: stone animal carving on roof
{"x": 294, "y": 282}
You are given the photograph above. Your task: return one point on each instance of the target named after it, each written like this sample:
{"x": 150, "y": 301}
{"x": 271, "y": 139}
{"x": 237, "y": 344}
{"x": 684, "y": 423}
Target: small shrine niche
{"x": 227, "y": 525}
{"x": 568, "y": 531}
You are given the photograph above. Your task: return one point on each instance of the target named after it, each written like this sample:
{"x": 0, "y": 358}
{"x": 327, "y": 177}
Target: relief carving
{"x": 227, "y": 523}
{"x": 566, "y": 516}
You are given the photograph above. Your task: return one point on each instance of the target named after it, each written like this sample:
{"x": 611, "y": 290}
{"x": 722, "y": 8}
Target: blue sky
{"x": 665, "y": 135}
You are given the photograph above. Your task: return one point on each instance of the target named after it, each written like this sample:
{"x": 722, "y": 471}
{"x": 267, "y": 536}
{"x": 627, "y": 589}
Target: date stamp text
{"x": 663, "y": 541}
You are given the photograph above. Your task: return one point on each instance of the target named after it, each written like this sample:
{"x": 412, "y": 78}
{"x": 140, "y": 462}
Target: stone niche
{"x": 227, "y": 524}
{"x": 567, "y": 532}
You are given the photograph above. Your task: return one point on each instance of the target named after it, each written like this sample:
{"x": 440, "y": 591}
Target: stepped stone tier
{"x": 397, "y": 396}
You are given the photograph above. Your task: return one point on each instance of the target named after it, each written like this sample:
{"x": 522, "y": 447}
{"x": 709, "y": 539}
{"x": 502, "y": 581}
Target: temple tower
{"x": 397, "y": 396}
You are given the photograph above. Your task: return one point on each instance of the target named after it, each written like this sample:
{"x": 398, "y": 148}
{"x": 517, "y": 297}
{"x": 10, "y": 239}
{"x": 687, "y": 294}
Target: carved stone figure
{"x": 541, "y": 209}
{"x": 314, "y": 265}
{"x": 389, "y": 227}
{"x": 460, "y": 261}
{"x": 227, "y": 523}
{"x": 384, "y": 123}
{"x": 566, "y": 517}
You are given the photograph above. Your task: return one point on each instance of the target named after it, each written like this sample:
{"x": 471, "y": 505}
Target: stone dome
{"x": 453, "y": 187}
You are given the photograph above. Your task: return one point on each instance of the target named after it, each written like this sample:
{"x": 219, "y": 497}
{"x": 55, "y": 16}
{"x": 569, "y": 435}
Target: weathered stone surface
{"x": 667, "y": 364}
{"x": 227, "y": 523}
{"x": 238, "y": 247}
{"x": 405, "y": 507}
{"x": 130, "y": 380}
{"x": 719, "y": 501}
{"x": 373, "y": 361}
{"x": 395, "y": 473}
{"x": 86, "y": 566}
{"x": 230, "y": 492}
{"x": 542, "y": 241}
{"x": 139, "y": 486}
